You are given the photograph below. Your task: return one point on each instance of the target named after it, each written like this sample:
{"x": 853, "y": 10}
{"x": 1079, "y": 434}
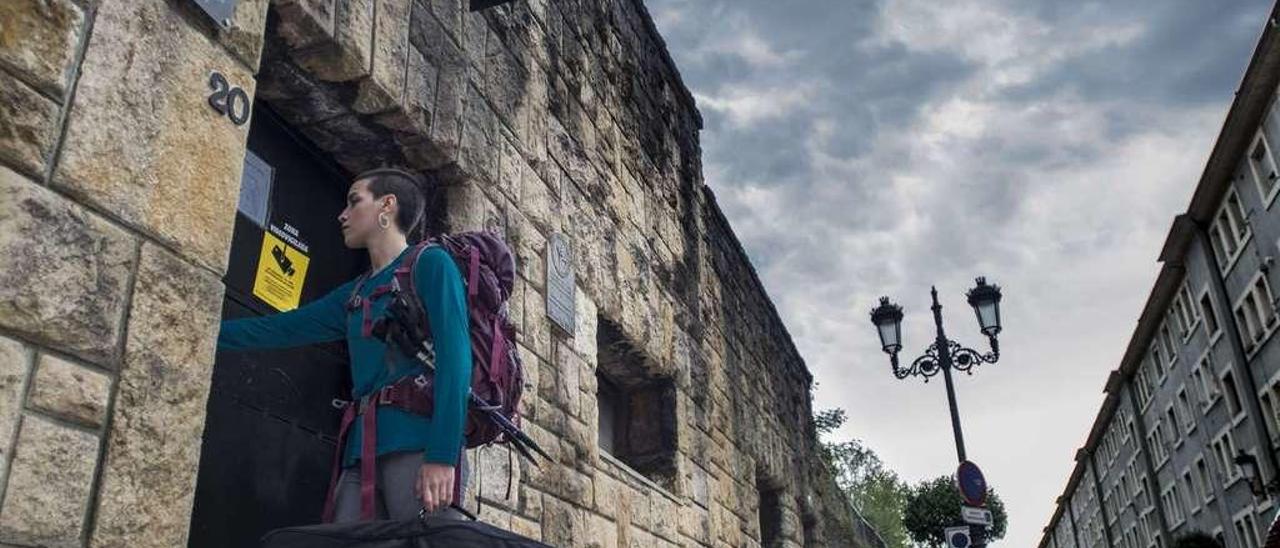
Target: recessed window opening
{"x": 637, "y": 423}
{"x": 770, "y": 515}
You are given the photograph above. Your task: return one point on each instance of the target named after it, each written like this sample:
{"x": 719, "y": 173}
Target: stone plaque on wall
{"x": 560, "y": 283}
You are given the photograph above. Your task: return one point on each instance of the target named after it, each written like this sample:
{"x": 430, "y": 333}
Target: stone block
{"x": 38, "y": 41}
{"x": 305, "y": 23}
{"x": 384, "y": 89}
{"x": 244, "y": 37}
{"x": 67, "y": 281}
{"x": 471, "y": 209}
{"x": 526, "y": 527}
{"x": 28, "y": 126}
{"x": 586, "y": 320}
{"x": 530, "y": 502}
{"x": 495, "y": 473}
{"x": 414, "y": 117}
{"x": 568, "y": 371}
{"x": 601, "y": 532}
{"x": 537, "y": 327}
{"x": 478, "y": 155}
{"x": 70, "y": 391}
{"x": 475, "y": 35}
{"x": 449, "y": 13}
{"x": 562, "y": 523}
{"x": 153, "y": 448}
{"x": 531, "y": 251}
{"x": 349, "y": 54}
{"x": 504, "y": 86}
{"x": 607, "y": 493}
{"x": 48, "y": 491}
{"x": 511, "y": 167}
{"x": 15, "y": 366}
{"x": 164, "y": 162}
{"x": 539, "y": 202}
{"x": 695, "y": 523}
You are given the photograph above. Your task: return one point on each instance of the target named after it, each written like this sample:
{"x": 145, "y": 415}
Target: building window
{"x": 1246, "y": 529}
{"x": 1157, "y": 362}
{"x": 1224, "y": 450}
{"x": 1185, "y": 417}
{"x": 1204, "y": 481}
{"x": 1185, "y": 312}
{"x": 1270, "y": 400}
{"x": 1229, "y": 230}
{"x": 1171, "y": 424}
{"x": 1211, "y": 326}
{"x": 1173, "y": 506}
{"x": 1255, "y": 313}
{"x": 637, "y": 423}
{"x": 769, "y": 514}
{"x": 1234, "y": 407}
{"x": 1264, "y": 167}
{"x": 1204, "y": 382}
{"x": 1190, "y": 495}
{"x": 1170, "y": 350}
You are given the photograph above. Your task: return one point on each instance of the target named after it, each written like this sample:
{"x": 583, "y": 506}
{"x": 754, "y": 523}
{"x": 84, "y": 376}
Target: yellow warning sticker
{"x": 281, "y": 271}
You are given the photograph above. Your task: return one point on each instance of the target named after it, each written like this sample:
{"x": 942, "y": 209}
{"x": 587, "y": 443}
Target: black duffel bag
{"x": 411, "y": 533}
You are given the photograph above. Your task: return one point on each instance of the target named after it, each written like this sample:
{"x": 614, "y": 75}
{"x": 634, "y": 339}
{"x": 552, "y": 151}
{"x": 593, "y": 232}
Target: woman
{"x": 416, "y": 455}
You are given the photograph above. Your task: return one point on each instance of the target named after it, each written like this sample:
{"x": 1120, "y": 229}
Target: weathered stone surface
{"x": 38, "y": 40}
{"x": 66, "y": 283}
{"x": 568, "y": 371}
{"x": 15, "y": 366}
{"x": 28, "y": 125}
{"x": 48, "y": 491}
{"x": 70, "y": 391}
{"x": 384, "y": 89}
{"x": 177, "y": 173}
{"x": 495, "y": 472}
{"x": 348, "y": 54}
{"x": 536, "y": 333}
{"x": 154, "y": 444}
{"x": 244, "y": 36}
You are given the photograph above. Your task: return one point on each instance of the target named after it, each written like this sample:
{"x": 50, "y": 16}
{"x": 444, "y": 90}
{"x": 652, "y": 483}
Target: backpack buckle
{"x": 421, "y": 381}
{"x": 339, "y": 403}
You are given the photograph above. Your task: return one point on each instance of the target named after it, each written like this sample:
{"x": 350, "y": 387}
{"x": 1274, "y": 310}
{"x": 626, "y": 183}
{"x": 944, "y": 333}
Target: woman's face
{"x": 359, "y": 220}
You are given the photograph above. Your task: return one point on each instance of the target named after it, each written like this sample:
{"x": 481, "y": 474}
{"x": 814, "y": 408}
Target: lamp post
{"x": 944, "y": 354}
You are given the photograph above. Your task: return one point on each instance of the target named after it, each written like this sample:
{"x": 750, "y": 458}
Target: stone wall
{"x": 117, "y": 195}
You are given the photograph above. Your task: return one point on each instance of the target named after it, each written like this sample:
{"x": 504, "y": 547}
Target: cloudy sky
{"x": 869, "y": 147}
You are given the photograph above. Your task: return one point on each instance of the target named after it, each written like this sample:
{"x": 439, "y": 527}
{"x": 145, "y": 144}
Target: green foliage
{"x": 1196, "y": 539}
{"x": 933, "y": 505}
{"x": 873, "y": 489}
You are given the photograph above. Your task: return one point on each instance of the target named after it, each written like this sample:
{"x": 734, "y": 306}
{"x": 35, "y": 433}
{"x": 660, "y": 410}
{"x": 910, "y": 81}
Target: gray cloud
{"x": 880, "y": 147}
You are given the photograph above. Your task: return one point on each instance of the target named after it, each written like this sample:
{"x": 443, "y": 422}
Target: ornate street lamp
{"x": 1249, "y": 466}
{"x": 944, "y": 354}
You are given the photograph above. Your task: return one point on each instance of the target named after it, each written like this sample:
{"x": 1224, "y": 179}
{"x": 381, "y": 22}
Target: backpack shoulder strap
{"x": 403, "y": 275}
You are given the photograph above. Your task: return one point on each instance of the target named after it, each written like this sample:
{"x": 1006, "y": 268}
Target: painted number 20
{"x": 228, "y": 99}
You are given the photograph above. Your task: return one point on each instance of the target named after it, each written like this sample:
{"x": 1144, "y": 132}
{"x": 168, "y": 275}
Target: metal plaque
{"x": 976, "y": 516}
{"x": 220, "y": 10}
{"x": 560, "y": 283}
{"x": 255, "y": 189}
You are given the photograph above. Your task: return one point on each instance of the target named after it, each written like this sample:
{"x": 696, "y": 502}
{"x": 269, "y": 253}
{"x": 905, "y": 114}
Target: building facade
{"x": 1199, "y": 384}
{"x": 164, "y": 165}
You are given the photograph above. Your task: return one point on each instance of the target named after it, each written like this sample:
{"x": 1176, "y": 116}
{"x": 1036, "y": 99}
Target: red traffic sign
{"x": 972, "y": 485}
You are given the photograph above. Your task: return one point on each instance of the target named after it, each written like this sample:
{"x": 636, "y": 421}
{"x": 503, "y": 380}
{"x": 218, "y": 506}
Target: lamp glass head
{"x": 888, "y": 320}
{"x": 985, "y": 300}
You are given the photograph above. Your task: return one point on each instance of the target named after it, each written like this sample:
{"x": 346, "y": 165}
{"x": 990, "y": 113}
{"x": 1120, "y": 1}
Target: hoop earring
{"x": 383, "y": 221}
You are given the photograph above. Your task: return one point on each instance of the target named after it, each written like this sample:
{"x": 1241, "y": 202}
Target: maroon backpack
{"x": 497, "y": 375}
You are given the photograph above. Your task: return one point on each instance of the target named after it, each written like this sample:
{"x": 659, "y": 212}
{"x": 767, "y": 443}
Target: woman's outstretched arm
{"x": 321, "y": 320}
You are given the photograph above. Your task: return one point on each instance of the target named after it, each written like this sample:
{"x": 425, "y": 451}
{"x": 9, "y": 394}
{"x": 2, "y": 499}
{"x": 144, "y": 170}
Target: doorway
{"x": 270, "y": 426}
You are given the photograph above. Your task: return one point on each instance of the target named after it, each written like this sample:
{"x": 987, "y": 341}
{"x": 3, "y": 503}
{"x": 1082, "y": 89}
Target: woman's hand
{"x": 434, "y": 486}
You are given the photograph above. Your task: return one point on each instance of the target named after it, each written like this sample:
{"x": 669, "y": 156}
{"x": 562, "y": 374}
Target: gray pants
{"x": 393, "y": 495}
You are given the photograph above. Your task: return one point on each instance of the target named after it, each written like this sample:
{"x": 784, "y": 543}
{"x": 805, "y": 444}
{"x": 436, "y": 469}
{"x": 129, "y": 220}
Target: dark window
{"x": 1210, "y": 317}
{"x": 637, "y": 423}
{"x": 1233, "y": 395}
{"x": 770, "y": 515}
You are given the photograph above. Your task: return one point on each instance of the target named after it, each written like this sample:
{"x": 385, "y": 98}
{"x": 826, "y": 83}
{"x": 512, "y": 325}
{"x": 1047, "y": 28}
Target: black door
{"x": 270, "y": 424}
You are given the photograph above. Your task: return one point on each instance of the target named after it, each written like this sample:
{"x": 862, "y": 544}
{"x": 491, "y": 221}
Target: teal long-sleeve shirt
{"x": 439, "y": 285}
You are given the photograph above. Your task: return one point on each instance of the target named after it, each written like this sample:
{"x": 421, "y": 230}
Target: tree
{"x": 934, "y": 505}
{"x": 871, "y": 488}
